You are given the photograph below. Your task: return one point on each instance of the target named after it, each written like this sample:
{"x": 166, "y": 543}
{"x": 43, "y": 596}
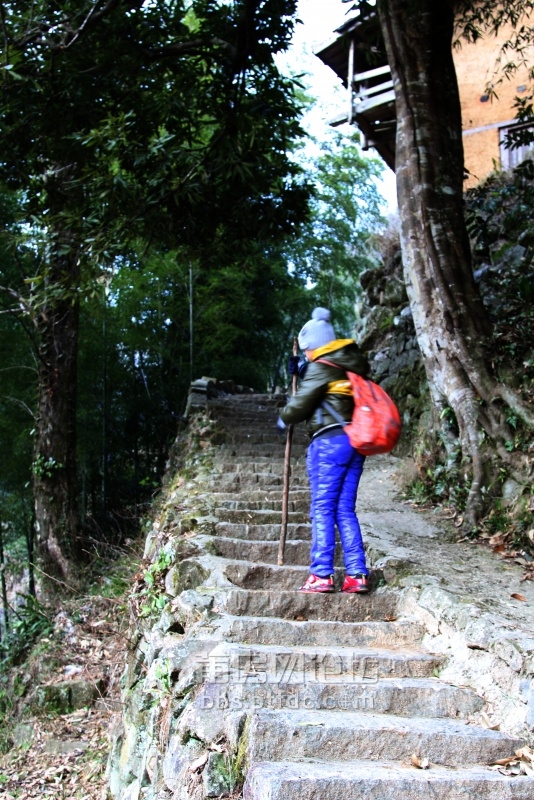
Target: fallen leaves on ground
{"x": 522, "y": 763}
{"x": 64, "y": 756}
{"x": 487, "y": 723}
{"x": 28, "y": 773}
{"x": 518, "y": 596}
{"x": 528, "y": 575}
{"x": 420, "y": 763}
{"x": 502, "y": 544}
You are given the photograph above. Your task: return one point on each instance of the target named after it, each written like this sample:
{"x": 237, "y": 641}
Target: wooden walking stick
{"x": 287, "y": 472}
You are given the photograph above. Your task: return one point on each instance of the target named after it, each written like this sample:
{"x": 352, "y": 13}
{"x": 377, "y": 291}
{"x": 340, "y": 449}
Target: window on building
{"x": 512, "y": 156}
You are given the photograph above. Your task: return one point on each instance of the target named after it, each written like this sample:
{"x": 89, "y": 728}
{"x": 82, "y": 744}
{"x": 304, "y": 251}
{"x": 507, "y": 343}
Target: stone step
{"x": 268, "y": 450}
{"x": 295, "y": 553}
{"x": 335, "y": 683}
{"x": 243, "y": 480}
{"x": 423, "y": 697}
{"x": 322, "y": 633}
{"x": 234, "y": 416}
{"x": 265, "y": 475}
{"x": 258, "y": 401}
{"x": 298, "y": 453}
{"x": 254, "y": 488}
{"x": 273, "y": 465}
{"x": 244, "y": 411}
{"x": 363, "y": 780}
{"x": 269, "y": 532}
{"x": 231, "y": 663}
{"x": 263, "y": 481}
{"x": 255, "y": 401}
{"x": 253, "y": 500}
{"x": 242, "y": 435}
{"x": 259, "y": 429}
{"x": 295, "y": 605}
{"x": 253, "y": 491}
{"x": 270, "y": 576}
{"x": 348, "y": 736}
{"x": 254, "y": 517}
{"x": 255, "y": 494}
{"x": 250, "y": 420}
{"x": 242, "y": 439}
{"x": 251, "y": 423}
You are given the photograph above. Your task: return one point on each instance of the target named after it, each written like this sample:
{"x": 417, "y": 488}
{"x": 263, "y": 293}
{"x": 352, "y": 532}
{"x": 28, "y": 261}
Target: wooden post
{"x": 287, "y": 472}
{"x": 350, "y": 83}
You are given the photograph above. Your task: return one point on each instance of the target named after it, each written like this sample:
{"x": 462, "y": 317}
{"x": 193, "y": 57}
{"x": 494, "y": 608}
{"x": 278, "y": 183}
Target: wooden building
{"x": 356, "y": 54}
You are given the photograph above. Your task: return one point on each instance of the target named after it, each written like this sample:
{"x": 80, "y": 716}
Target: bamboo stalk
{"x": 287, "y": 473}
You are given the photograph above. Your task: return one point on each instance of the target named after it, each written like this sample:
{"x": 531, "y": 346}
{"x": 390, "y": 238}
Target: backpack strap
{"x": 333, "y": 413}
{"x": 327, "y": 407}
{"x": 326, "y": 361}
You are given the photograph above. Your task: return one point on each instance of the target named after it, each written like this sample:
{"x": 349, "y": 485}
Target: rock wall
{"x": 164, "y": 744}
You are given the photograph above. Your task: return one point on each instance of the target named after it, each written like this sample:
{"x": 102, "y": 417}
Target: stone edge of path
{"x": 482, "y": 651}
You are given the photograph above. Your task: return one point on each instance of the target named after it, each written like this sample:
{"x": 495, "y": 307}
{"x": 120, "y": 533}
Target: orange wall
{"x": 475, "y": 67}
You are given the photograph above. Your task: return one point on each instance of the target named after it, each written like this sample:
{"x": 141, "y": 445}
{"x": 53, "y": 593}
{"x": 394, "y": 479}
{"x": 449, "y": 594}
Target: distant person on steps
{"x": 334, "y": 466}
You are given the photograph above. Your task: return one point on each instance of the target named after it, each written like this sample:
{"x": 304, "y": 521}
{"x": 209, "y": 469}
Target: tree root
{"x": 509, "y": 396}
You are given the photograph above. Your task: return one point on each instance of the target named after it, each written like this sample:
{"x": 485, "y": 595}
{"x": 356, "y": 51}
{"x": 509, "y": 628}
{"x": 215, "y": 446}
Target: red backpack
{"x": 375, "y": 426}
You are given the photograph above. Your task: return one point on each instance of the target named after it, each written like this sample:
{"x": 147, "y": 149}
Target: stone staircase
{"x": 318, "y": 697}
{"x": 339, "y": 694}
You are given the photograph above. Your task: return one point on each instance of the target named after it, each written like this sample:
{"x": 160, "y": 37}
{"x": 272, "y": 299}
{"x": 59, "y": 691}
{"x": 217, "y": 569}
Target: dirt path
{"x": 425, "y": 545}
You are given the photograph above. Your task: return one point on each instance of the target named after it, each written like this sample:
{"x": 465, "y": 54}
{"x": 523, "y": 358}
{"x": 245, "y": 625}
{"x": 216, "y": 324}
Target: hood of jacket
{"x": 344, "y": 353}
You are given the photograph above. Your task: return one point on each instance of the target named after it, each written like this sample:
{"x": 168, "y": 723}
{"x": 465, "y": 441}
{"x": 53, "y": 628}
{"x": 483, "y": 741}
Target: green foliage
{"x": 140, "y": 142}
{"x": 46, "y": 468}
{"x": 240, "y": 757}
{"x": 227, "y": 770}
{"x": 335, "y": 244}
{"x": 497, "y": 520}
{"x": 163, "y": 673}
{"x": 17, "y": 370}
{"x": 161, "y": 119}
{"x": 441, "y": 485}
{"x": 30, "y": 621}
{"x": 499, "y": 215}
{"x": 508, "y": 530}
{"x": 152, "y": 595}
{"x": 112, "y": 577}
{"x": 7, "y": 704}
{"x": 158, "y": 150}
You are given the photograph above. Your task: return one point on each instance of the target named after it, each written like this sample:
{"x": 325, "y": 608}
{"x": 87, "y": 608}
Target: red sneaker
{"x": 355, "y": 584}
{"x": 316, "y": 584}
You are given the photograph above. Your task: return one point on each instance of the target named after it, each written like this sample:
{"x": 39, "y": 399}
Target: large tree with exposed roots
{"x": 452, "y": 326}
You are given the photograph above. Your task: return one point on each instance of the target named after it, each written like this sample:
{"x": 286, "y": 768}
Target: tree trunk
{"x": 54, "y": 468}
{"x": 29, "y": 531}
{"x": 5, "y": 604}
{"x": 451, "y": 323}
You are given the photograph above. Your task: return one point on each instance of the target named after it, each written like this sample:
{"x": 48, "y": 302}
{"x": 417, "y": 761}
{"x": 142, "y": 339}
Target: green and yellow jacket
{"x": 326, "y": 382}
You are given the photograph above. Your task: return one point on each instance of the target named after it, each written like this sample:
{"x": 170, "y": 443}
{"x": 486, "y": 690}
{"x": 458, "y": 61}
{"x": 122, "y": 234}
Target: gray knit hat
{"x": 318, "y": 331}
